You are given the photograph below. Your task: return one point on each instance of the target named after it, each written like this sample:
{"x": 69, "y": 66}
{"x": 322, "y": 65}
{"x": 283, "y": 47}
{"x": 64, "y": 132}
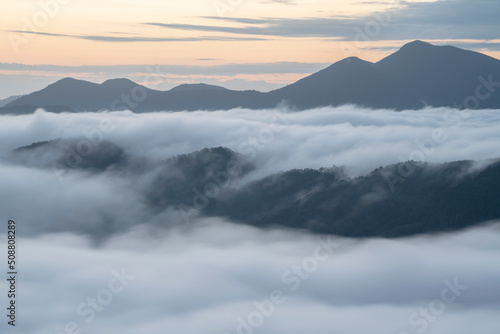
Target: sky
{"x": 238, "y": 44}
{"x": 215, "y": 276}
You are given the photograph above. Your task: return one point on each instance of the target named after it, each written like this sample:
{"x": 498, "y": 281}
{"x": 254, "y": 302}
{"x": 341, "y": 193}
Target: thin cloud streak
{"x": 445, "y": 19}
{"x": 140, "y": 39}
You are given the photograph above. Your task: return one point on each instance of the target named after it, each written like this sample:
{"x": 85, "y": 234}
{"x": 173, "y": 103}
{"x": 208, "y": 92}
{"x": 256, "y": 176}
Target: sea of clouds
{"x": 216, "y": 277}
{"x": 94, "y": 258}
{"x": 280, "y": 139}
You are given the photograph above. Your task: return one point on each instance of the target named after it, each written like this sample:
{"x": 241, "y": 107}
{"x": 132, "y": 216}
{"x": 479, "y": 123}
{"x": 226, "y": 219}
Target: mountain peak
{"x": 353, "y": 60}
{"x": 196, "y": 87}
{"x": 66, "y": 81}
{"x": 417, "y": 45}
{"x": 70, "y": 83}
{"x": 118, "y": 82}
{"x": 347, "y": 63}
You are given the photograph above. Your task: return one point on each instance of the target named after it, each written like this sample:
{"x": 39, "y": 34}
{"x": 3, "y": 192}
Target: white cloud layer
{"x": 201, "y": 278}
{"x": 204, "y": 278}
{"x": 275, "y": 140}
{"x": 279, "y": 140}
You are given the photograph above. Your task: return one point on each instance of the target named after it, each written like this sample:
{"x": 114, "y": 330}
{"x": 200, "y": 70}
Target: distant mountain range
{"x": 416, "y": 76}
{"x": 435, "y": 198}
{"x": 9, "y": 100}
